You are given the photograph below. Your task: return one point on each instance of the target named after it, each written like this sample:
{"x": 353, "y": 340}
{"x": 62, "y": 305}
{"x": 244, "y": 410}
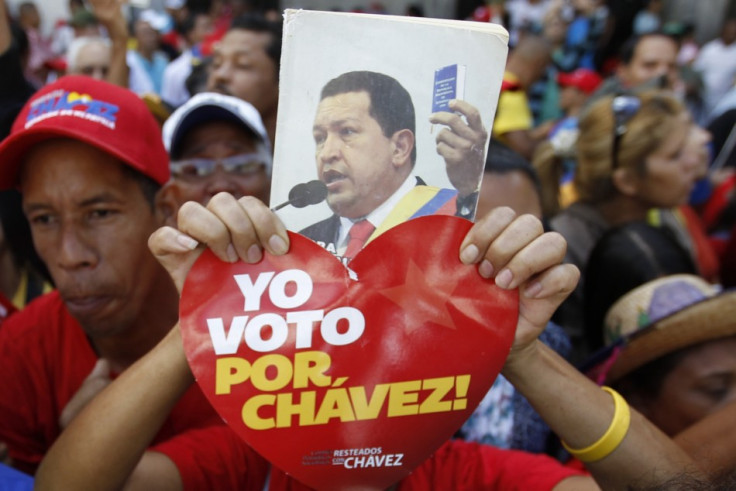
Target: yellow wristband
{"x": 613, "y": 436}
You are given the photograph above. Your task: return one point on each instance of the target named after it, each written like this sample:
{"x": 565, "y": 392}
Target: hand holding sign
{"x": 109, "y": 436}
{"x": 242, "y": 360}
{"x": 517, "y": 252}
{"x": 233, "y": 229}
{"x": 327, "y": 373}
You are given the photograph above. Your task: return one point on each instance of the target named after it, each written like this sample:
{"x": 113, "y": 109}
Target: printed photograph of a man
{"x": 364, "y": 135}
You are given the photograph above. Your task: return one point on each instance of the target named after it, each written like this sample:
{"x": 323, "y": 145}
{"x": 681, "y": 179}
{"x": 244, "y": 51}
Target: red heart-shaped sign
{"x": 348, "y": 378}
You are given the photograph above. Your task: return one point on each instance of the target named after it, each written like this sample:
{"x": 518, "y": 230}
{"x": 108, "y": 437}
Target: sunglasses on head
{"x": 624, "y": 108}
{"x": 242, "y": 164}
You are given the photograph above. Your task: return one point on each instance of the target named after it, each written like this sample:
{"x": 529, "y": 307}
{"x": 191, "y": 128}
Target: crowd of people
{"x": 134, "y": 138}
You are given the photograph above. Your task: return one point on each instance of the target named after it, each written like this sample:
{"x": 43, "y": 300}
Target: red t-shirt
{"x": 44, "y": 358}
{"x": 468, "y": 466}
{"x": 6, "y": 308}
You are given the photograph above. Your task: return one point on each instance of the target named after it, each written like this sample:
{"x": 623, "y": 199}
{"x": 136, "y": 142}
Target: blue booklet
{"x": 449, "y": 83}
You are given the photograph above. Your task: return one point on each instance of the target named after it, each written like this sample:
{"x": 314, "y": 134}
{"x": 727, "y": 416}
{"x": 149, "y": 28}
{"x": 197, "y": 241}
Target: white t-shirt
{"x": 717, "y": 63}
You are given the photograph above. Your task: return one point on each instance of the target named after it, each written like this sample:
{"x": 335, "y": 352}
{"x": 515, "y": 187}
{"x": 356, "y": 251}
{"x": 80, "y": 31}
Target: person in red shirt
{"x": 89, "y": 160}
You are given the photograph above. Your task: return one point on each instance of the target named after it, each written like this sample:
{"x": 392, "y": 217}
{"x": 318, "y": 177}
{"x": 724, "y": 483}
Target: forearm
{"x": 118, "y": 73}
{"x": 710, "y": 441}
{"x": 116, "y": 427}
{"x": 579, "y": 412}
{"x": 118, "y": 31}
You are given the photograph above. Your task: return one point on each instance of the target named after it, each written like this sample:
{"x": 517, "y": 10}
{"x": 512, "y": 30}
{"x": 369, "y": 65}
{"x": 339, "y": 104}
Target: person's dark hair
{"x": 25, "y": 6}
{"x": 189, "y": 22}
{"x": 645, "y": 382}
{"x": 23, "y": 89}
{"x": 18, "y": 237}
{"x": 500, "y": 159}
{"x": 415, "y": 10}
{"x": 199, "y": 5}
{"x": 688, "y": 29}
{"x": 21, "y": 39}
{"x": 390, "y": 103}
{"x": 623, "y": 259}
{"x": 148, "y": 186}
{"x": 629, "y": 47}
{"x": 196, "y": 82}
{"x": 258, "y": 23}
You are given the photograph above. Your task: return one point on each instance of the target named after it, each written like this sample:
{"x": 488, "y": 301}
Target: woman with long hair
{"x": 635, "y": 153}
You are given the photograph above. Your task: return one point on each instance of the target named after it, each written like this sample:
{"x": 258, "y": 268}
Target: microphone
{"x": 305, "y": 194}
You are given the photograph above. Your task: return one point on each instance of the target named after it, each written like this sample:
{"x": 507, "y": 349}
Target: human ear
{"x": 167, "y": 203}
{"x": 625, "y": 182}
{"x": 402, "y": 143}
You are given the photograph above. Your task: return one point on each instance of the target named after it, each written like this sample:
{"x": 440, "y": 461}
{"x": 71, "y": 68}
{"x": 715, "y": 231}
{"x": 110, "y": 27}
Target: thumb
{"x": 175, "y": 251}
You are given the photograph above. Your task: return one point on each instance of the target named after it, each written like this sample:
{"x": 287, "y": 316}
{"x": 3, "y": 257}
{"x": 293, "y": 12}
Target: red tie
{"x": 357, "y": 236}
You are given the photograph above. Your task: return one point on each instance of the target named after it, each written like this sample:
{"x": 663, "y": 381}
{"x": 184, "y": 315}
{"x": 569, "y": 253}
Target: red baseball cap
{"x": 582, "y": 78}
{"x": 110, "y": 118}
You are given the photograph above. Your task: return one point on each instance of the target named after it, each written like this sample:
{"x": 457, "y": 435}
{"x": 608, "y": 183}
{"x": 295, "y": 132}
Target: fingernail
{"x": 187, "y": 242}
{"x": 278, "y": 245}
{"x": 469, "y": 254}
{"x": 254, "y": 254}
{"x": 486, "y": 269}
{"x": 232, "y": 256}
{"x": 533, "y": 290}
{"x": 504, "y": 278}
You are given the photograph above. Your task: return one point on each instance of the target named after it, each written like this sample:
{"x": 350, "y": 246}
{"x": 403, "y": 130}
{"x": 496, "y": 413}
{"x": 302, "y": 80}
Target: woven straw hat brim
{"x": 710, "y": 319}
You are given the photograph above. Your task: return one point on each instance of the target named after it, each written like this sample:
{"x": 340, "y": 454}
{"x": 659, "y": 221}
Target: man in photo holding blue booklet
{"x": 364, "y": 133}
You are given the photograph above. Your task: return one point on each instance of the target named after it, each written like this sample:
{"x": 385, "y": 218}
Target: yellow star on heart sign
{"x": 421, "y": 301}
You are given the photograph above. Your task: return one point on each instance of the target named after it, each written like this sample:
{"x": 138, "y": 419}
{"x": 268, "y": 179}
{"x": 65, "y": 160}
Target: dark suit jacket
{"x": 325, "y": 231}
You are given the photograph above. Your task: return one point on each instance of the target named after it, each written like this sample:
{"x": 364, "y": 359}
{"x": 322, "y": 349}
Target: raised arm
{"x": 110, "y": 15}
{"x": 711, "y": 441}
{"x": 104, "y": 447}
{"x": 107, "y": 441}
{"x": 573, "y": 406}
{"x": 462, "y": 144}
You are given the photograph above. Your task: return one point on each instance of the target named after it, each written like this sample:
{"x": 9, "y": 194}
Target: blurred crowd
{"x": 615, "y": 128}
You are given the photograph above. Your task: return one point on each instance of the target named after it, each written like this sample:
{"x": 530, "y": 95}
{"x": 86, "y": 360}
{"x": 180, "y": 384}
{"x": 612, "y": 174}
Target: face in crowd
{"x": 92, "y": 60}
{"x": 242, "y": 68}
{"x": 201, "y": 28}
{"x": 654, "y": 56}
{"x": 361, "y": 166}
{"x": 90, "y": 222}
{"x": 655, "y": 158}
{"x": 672, "y": 169}
{"x": 701, "y": 380}
{"x": 148, "y": 38}
{"x": 220, "y": 156}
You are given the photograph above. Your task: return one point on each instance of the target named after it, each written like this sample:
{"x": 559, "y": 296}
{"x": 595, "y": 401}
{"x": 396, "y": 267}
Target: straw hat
{"x": 658, "y": 318}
